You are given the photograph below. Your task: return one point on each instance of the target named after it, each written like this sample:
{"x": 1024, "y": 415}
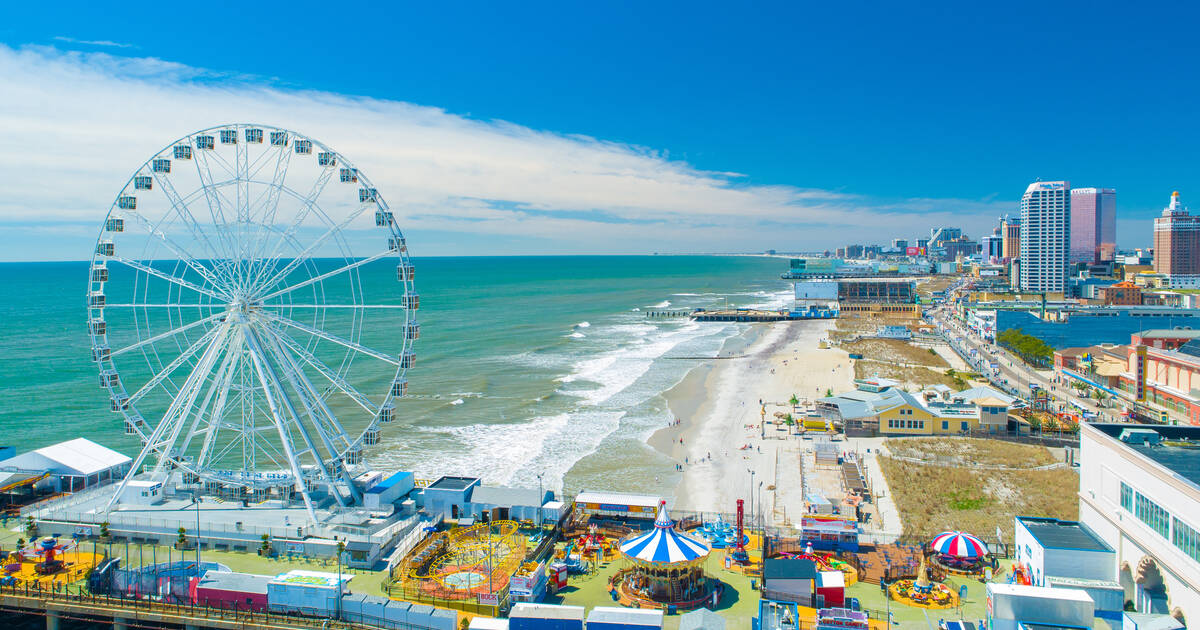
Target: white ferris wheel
{"x": 252, "y": 312}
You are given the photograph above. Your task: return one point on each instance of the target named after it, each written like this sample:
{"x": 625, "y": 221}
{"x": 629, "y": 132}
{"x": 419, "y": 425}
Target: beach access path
{"x": 719, "y": 415}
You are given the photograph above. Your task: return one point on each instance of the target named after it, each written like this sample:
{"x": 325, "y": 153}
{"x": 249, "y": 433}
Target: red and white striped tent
{"x": 959, "y": 544}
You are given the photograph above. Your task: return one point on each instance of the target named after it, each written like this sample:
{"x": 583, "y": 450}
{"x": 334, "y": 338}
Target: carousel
{"x": 666, "y": 569}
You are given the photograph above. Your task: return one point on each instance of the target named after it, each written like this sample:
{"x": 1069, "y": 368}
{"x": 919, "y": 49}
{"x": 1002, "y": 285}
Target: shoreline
{"x": 719, "y": 416}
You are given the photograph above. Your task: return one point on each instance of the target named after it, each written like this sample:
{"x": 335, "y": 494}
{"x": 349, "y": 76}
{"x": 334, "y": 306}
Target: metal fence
{"x": 106, "y": 606}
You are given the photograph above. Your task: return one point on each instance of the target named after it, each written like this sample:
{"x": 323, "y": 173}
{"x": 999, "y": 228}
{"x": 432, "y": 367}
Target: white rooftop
{"x": 617, "y": 498}
{"x": 80, "y": 456}
{"x": 1040, "y": 592}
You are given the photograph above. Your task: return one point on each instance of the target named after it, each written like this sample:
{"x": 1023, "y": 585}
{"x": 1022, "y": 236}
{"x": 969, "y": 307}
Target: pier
{"x": 740, "y": 315}
{"x": 665, "y": 314}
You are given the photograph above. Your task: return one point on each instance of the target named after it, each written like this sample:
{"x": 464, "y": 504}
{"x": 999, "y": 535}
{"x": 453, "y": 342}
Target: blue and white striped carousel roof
{"x": 663, "y": 544}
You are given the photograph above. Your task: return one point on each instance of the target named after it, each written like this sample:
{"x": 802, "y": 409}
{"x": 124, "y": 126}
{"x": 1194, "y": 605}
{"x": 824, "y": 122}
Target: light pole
{"x": 540, "y": 501}
{"x": 196, "y": 501}
{"x": 341, "y": 546}
{"x": 751, "y": 471}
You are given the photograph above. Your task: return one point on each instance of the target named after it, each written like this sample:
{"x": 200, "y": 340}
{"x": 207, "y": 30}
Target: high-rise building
{"x": 1010, "y": 231}
{"x": 900, "y": 244}
{"x": 1093, "y": 224}
{"x": 992, "y": 247}
{"x": 1177, "y": 242}
{"x": 1045, "y": 236}
{"x": 937, "y": 236}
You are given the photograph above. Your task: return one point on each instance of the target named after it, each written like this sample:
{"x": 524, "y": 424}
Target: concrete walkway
{"x": 885, "y": 525}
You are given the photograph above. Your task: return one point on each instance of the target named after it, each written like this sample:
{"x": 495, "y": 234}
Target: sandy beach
{"x": 717, "y": 406}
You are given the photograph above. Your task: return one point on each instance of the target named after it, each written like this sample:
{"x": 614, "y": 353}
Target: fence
{"x": 78, "y": 603}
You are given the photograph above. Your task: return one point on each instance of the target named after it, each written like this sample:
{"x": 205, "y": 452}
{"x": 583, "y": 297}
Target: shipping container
{"x": 611, "y": 618}
{"x": 238, "y": 591}
{"x": 1009, "y": 605}
{"x": 526, "y": 616}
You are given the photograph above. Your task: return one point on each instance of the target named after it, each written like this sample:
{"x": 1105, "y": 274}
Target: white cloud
{"x": 75, "y": 126}
{"x": 92, "y": 42}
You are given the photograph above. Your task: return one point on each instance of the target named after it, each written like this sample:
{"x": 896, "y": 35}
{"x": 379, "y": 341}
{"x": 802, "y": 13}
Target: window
{"x": 945, "y": 425}
{"x": 1151, "y": 514}
{"x": 966, "y": 426}
{"x": 1186, "y": 539}
{"x": 1126, "y": 497}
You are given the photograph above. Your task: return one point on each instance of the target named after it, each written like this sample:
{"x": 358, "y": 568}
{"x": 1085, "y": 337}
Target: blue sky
{"x": 894, "y": 115}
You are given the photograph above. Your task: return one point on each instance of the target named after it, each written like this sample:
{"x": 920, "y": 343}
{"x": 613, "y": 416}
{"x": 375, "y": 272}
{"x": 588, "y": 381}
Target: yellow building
{"x": 913, "y": 417}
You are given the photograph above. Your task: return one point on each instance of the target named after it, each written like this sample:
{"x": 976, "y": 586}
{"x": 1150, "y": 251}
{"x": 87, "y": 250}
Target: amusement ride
{"x": 232, "y": 322}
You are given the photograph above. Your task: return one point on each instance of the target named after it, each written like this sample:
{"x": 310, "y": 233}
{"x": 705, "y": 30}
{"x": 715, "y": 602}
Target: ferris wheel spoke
{"x": 179, "y": 252}
{"x": 158, "y": 273}
{"x": 165, "y": 335}
{"x": 333, "y": 338}
{"x": 164, "y": 305}
{"x": 324, "y": 370}
{"x": 184, "y": 213}
{"x": 324, "y": 276}
{"x": 368, "y": 307}
{"x": 183, "y": 357}
{"x": 274, "y": 193}
{"x": 218, "y": 414}
{"x": 307, "y": 204}
{"x": 215, "y": 209}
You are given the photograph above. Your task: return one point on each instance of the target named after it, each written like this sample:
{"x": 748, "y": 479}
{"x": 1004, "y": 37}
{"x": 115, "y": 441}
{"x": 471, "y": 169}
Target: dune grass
{"x": 933, "y": 498}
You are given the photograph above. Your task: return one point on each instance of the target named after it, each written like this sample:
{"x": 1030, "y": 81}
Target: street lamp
{"x": 341, "y": 547}
{"x": 751, "y": 471}
{"x": 196, "y": 502}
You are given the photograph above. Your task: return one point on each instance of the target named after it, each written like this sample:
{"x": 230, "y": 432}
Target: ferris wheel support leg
{"x": 151, "y": 442}
{"x": 307, "y": 391}
{"x": 214, "y": 389}
{"x": 235, "y": 347}
{"x": 308, "y": 407}
{"x": 268, "y": 382}
{"x": 193, "y": 386}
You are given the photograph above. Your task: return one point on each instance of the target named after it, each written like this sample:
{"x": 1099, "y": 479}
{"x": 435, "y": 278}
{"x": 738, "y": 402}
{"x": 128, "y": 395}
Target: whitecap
{"x": 662, "y": 304}
{"x": 576, "y": 335}
{"x": 458, "y": 401}
{"x": 582, "y": 325}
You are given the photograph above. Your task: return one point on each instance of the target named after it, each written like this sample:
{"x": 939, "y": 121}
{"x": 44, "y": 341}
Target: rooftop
{"x": 239, "y": 582}
{"x": 617, "y": 498}
{"x": 453, "y": 483}
{"x": 789, "y": 569}
{"x": 79, "y": 456}
{"x": 1178, "y": 450}
{"x": 505, "y": 496}
{"x": 1055, "y": 534}
{"x": 1180, "y": 333}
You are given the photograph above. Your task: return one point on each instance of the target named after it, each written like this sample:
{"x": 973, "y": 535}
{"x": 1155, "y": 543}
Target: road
{"x": 1014, "y": 376}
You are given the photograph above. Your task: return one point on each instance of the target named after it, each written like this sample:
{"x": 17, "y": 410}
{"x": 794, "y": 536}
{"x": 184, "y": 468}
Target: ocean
{"x": 526, "y": 365}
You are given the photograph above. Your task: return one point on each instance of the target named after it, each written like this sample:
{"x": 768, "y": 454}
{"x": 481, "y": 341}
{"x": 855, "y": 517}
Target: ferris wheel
{"x": 251, "y": 309}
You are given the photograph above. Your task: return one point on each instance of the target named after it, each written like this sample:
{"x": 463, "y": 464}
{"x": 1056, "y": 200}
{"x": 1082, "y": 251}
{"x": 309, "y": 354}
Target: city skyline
{"x": 721, "y": 142}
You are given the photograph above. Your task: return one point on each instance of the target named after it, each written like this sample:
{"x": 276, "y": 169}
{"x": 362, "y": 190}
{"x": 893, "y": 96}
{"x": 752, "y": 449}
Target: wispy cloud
{"x": 75, "y": 125}
{"x": 92, "y": 42}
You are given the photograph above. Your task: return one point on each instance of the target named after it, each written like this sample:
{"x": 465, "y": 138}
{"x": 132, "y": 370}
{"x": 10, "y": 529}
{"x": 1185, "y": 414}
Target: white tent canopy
{"x": 77, "y": 463}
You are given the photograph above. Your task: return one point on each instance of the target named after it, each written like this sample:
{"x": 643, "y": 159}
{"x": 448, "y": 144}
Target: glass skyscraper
{"x": 1093, "y": 224}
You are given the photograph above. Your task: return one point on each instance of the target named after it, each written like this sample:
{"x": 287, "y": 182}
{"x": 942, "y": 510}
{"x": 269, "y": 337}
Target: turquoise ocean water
{"x": 525, "y": 364}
